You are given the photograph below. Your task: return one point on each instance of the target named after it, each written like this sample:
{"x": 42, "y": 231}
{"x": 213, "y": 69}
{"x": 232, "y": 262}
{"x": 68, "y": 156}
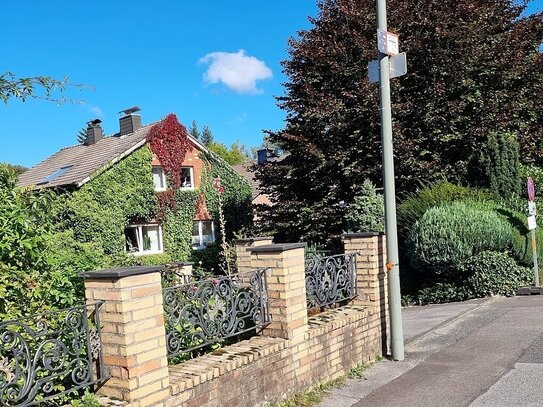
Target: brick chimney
{"x": 130, "y": 121}
{"x": 94, "y": 132}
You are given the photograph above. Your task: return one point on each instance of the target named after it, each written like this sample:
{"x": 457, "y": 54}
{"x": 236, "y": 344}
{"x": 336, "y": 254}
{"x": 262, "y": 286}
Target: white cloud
{"x": 237, "y": 70}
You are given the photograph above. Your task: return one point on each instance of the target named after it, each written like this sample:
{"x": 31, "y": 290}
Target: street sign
{"x": 397, "y": 67}
{"x": 531, "y": 189}
{"x": 531, "y": 208}
{"x": 531, "y": 223}
{"x": 387, "y": 42}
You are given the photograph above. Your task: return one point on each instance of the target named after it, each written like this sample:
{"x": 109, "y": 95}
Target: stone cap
{"x": 253, "y": 239}
{"x": 121, "y": 272}
{"x": 280, "y": 247}
{"x": 362, "y": 234}
{"x": 179, "y": 263}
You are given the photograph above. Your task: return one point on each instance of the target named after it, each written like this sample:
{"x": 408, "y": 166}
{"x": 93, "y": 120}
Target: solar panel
{"x": 55, "y": 174}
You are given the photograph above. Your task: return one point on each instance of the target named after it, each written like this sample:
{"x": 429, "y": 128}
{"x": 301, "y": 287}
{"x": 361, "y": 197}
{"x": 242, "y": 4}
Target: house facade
{"x": 145, "y": 191}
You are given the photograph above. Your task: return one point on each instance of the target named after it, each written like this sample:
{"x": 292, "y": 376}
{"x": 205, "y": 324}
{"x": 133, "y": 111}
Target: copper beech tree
{"x": 474, "y": 67}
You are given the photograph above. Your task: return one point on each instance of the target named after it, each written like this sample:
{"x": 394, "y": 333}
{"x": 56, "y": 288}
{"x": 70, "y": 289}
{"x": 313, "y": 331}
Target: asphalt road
{"x": 466, "y": 354}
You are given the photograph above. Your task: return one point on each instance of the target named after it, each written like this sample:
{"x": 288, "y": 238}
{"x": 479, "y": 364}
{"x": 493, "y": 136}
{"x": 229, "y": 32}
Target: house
{"x": 146, "y": 190}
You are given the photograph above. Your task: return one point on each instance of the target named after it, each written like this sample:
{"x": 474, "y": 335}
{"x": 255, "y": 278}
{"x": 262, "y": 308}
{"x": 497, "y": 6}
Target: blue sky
{"x": 164, "y": 56}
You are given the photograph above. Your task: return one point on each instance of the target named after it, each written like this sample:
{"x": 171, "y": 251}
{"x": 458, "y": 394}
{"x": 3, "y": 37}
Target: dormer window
{"x": 159, "y": 179}
{"x": 187, "y": 177}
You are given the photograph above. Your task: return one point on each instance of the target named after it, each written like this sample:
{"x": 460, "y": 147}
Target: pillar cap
{"x": 121, "y": 272}
{"x": 253, "y": 239}
{"x": 280, "y": 247}
{"x": 362, "y": 234}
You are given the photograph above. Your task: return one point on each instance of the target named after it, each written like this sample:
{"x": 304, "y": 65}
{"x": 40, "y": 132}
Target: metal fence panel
{"x": 48, "y": 355}
{"x": 204, "y": 312}
{"x": 331, "y": 279}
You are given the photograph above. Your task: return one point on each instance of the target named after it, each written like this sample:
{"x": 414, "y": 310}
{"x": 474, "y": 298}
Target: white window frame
{"x": 139, "y": 230}
{"x": 203, "y": 245}
{"x": 163, "y": 176}
{"x": 191, "y": 169}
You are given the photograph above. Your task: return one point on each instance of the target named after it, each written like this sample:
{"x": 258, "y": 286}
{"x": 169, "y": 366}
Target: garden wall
{"x": 291, "y": 353}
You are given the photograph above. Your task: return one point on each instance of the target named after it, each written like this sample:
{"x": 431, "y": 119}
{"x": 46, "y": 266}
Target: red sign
{"x": 531, "y": 189}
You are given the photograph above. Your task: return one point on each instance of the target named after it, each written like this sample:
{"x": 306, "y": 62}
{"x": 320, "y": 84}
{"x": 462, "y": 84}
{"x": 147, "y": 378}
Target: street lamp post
{"x": 395, "y": 308}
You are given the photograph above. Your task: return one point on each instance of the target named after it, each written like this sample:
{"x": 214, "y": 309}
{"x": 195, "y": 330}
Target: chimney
{"x": 130, "y": 122}
{"x": 262, "y": 156}
{"x": 94, "y": 132}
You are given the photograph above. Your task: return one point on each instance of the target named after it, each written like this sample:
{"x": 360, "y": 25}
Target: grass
{"x": 314, "y": 395}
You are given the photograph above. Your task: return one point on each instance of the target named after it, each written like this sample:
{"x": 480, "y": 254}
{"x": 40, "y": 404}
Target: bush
{"x": 450, "y": 233}
{"x": 492, "y": 273}
{"x": 367, "y": 212}
{"x": 416, "y": 205}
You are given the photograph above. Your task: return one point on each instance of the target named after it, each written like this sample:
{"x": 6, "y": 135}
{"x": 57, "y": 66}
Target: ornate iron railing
{"x": 48, "y": 355}
{"x": 329, "y": 280}
{"x": 206, "y": 311}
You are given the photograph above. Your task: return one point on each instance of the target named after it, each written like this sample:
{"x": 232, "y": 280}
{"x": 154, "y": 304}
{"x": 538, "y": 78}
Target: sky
{"x": 216, "y": 62}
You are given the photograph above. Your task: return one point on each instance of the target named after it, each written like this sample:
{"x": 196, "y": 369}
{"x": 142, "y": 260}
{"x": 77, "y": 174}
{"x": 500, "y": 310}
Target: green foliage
{"x": 81, "y": 136}
{"x": 500, "y": 163}
{"x": 101, "y": 209}
{"x": 492, "y": 273}
{"x": 88, "y": 400}
{"x": 484, "y": 274}
{"x": 416, "y": 204}
{"x": 193, "y": 130}
{"x": 12, "y": 86}
{"x": 453, "y": 232}
{"x": 206, "y": 136}
{"x": 18, "y": 169}
{"x": 459, "y": 87}
{"x": 178, "y": 223}
{"x": 367, "y": 212}
{"x": 236, "y": 154}
{"x": 30, "y": 281}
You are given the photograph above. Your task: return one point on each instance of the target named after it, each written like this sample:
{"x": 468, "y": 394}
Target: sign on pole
{"x": 388, "y": 42}
{"x": 531, "y": 189}
{"x": 397, "y": 67}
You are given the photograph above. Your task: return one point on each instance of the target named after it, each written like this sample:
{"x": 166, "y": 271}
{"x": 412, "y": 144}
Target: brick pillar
{"x": 133, "y": 334}
{"x": 286, "y": 288}
{"x": 371, "y": 279}
{"x": 243, "y": 254}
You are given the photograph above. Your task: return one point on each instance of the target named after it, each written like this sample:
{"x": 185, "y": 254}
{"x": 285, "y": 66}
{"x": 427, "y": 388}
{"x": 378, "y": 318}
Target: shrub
{"x": 492, "y": 273}
{"x": 367, "y": 212}
{"x": 414, "y": 207}
{"x": 450, "y": 233}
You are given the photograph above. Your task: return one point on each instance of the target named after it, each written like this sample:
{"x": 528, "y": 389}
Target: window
{"x": 159, "y": 179}
{"x": 143, "y": 239}
{"x": 187, "y": 177}
{"x": 203, "y": 232}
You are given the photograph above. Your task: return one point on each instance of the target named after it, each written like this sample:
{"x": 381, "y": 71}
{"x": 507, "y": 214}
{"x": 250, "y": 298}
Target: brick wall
{"x": 292, "y": 353}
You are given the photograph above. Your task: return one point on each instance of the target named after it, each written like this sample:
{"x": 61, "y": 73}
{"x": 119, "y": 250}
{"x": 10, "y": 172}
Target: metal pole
{"x": 534, "y": 252}
{"x": 394, "y": 298}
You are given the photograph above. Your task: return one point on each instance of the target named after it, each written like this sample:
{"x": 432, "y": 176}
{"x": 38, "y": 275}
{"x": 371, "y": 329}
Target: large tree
{"x": 474, "y": 67}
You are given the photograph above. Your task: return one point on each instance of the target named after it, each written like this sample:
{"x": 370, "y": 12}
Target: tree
{"x": 237, "y": 154}
{"x": 207, "y": 136}
{"x": 12, "y": 86}
{"x": 193, "y": 130}
{"x": 500, "y": 164}
{"x": 16, "y": 168}
{"x": 474, "y": 67}
{"x": 82, "y": 136}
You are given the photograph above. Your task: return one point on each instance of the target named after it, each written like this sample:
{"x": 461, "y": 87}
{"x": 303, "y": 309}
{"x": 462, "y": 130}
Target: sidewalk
{"x": 461, "y": 354}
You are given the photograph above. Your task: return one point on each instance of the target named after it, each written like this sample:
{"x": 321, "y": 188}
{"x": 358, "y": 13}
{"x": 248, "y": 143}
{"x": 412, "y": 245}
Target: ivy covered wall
{"x": 100, "y": 210}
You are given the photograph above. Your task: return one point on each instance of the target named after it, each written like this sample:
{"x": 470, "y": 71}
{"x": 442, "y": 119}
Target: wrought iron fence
{"x": 330, "y": 279}
{"x": 205, "y": 312}
{"x": 49, "y": 355}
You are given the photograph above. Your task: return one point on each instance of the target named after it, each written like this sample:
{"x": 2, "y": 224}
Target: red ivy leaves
{"x": 168, "y": 140}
